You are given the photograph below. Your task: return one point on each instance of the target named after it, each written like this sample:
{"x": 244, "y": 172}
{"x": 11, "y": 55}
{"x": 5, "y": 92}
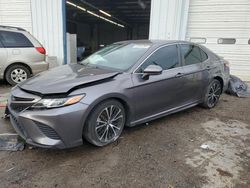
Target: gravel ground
{"x": 164, "y": 153}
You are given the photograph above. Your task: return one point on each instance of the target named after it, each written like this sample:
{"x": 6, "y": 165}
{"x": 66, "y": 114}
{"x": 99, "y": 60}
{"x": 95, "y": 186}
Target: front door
{"x": 162, "y": 92}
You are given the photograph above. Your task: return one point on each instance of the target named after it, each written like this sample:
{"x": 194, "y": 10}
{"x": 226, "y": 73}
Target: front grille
{"x": 19, "y": 104}
{"x": 48, "y": 131}
{"x": 19, "y": 107}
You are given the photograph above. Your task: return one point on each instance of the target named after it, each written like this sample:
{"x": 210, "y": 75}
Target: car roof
{"x": 152, "y": 42}
{"x": 5, "y": 27}
{"x": 30, "y": 37}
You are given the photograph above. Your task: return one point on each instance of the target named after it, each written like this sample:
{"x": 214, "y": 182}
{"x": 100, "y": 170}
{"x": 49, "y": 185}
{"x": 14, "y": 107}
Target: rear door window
{"x": 14, "y": 40}
{"x": 166, "y": 57}
{"x": 192, "y": 54}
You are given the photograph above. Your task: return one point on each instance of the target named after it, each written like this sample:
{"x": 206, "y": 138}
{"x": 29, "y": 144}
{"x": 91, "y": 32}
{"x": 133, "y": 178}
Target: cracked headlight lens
{"x": 57, "y": 102}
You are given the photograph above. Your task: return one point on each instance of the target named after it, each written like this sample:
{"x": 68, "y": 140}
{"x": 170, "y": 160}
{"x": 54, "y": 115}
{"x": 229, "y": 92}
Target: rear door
{"x": 195, "y": 75}
{"x": 162, "y": 92}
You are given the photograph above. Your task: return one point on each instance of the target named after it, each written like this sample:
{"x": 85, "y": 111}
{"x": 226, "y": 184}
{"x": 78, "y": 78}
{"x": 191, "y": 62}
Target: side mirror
{"x": 151, "y": 70}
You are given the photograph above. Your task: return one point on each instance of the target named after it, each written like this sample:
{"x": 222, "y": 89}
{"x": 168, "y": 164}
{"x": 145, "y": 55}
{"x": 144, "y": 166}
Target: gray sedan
{"x": 124, "y": 84}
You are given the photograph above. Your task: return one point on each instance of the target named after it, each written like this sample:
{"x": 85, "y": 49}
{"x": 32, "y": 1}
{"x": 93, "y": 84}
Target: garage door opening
{"x": 95, "y": 24}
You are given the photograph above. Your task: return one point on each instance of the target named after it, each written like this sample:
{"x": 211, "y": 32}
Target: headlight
{"x": 58, "y": 102}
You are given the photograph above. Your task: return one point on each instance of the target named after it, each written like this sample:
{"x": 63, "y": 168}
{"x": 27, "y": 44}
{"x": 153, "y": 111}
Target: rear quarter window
{"x": 14, "y": 40}
{"x": 204, "y": 56}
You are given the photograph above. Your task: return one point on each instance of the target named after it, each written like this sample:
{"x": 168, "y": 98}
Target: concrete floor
{"x": 164, "y": 153}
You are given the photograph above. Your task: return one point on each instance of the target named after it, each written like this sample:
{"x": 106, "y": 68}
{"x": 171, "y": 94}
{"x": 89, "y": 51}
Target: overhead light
{"x": 81, "y": 8}
{"x": 107, "y": 14}
{"x": 72, "y": 4}
{"x": 94, "y": 14}
{"x": 108, "y": 20}
{"x": 120, "y": 25}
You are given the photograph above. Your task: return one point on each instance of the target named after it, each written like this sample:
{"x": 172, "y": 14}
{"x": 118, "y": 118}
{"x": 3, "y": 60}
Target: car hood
{"x": 65, "y": 78}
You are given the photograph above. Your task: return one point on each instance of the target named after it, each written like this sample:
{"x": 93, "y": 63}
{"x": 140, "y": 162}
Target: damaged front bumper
{"x": 48, "y": 128}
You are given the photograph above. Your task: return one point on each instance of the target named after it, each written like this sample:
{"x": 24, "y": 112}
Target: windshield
{"x": 117, "y": 56}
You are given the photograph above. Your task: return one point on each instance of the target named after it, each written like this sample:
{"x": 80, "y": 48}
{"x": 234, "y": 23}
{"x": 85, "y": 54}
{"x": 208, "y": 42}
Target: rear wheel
{"x": 16, "y": 74}
{"x": 105, "y": 123}
{"x": 212, "y": 95}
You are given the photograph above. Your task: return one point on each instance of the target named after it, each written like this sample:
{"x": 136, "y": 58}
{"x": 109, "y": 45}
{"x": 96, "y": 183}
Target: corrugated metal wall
{"x": 47, "y": 20}
{"x": 214, "y": 19}
{"x": 168, "y": 19}
{"x": 16, "y": 13}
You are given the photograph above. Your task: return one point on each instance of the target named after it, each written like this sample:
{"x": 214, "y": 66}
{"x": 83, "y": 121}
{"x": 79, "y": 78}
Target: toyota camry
{"x": 124, "y": 84}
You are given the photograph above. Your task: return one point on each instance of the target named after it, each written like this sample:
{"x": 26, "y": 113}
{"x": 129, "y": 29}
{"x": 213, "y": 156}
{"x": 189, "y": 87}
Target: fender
{"x": 129, "y": 107}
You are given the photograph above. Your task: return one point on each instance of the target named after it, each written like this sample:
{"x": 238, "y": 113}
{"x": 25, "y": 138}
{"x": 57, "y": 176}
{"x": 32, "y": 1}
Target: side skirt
{"x": 162, "y": 114}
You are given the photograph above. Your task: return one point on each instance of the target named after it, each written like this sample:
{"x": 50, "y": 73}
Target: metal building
{"x": 224, "y": 27}
{"x": 221, "y": 25}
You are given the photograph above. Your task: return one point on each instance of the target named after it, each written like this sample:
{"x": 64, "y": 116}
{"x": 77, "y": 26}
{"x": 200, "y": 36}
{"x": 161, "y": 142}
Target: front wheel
{"x": 212, "y": 95}
{"x": 105, "y": 123}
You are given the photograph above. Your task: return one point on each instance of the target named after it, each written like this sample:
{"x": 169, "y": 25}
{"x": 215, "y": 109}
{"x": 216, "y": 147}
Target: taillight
{"x": 41, "y": 50}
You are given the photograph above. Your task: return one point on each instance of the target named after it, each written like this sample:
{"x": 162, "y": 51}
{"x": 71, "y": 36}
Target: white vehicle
{"x": 21, "y": 55}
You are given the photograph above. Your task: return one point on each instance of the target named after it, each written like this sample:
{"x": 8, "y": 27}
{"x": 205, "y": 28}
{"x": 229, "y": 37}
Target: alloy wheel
{"x": 109, "y": 123}
{"x": 214, "y": 94}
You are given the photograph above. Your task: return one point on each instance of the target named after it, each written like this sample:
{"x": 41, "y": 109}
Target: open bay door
{"x": 98, "y": 23}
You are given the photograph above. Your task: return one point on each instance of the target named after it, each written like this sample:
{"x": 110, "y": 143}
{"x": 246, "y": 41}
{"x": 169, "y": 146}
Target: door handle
{"x": 178, "y": 75}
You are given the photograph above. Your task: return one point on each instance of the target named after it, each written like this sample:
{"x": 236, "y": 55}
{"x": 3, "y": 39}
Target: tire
{"x": 103, "y": 127}
{"x": 16, "y": 74}
{"x": 212, "y": 95}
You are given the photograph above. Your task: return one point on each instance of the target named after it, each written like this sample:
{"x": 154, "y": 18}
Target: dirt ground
{"x": 164, "y": 153}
